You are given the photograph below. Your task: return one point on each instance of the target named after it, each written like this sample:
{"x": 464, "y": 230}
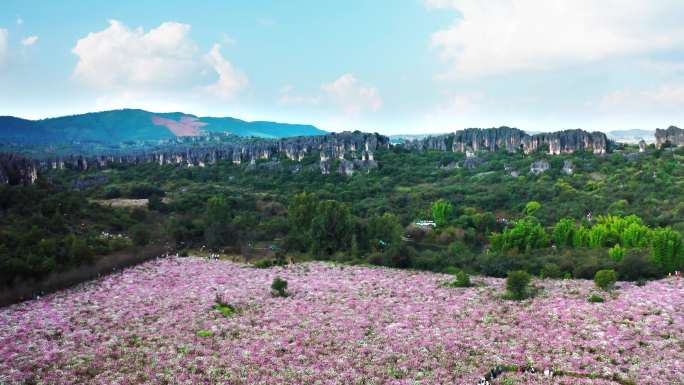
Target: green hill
{"x": 118, "y": 126}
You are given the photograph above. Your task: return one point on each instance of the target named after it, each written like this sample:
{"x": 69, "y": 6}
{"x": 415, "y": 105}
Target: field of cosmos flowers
{"x": 154, "y": 324}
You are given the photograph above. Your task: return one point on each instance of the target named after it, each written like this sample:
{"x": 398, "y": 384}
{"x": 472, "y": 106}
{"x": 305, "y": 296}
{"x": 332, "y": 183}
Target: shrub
{"x": 451, "y": 270}
{"x": 400, "y": 256}
{"x": 155, "y": 203}
{"x": 139, "y": 214}
{"x": 589, "y": 265}
{"x": 496, "y": 265}
{"x": 140, "y": 235}
{"x": 263, "y": 263}
{"x": 429, "y": 260}
{"x": 279, "y": 287}
{"x": 605, "y": 279}
{"x": 112, "y": 192}
{"x": 595, "y": 298}
{"x": 517, "y": 284}
{"x": 460, "y": 254}
{"x": 141, "y": 191}
{"x": 616, "y": 253}
{"x": 462, "y": 280}
{"x": 551, "y": 270}
{"x": 637, "y": 264}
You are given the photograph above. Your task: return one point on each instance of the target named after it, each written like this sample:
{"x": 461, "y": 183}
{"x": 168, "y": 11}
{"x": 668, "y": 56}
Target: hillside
{"x": 117, "y": 126}
{"x": 189, "y": 320}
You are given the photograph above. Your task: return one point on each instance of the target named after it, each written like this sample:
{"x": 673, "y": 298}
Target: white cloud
{"x": 499, "y": 36}
{"x": 351, "y": 96}
{"x": 3, "y": 44}
{"x": 230, "y": 80}
{"x": 29, "y": 41}
{"x": 128, "y": 64}
{"x": 121, "y": 56}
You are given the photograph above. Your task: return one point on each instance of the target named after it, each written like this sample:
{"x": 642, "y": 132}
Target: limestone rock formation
{"x": 354, "y": 150}
{"x": 539, "y": 167}
{"x": 673, "y": 136}
{"x": 513, "y": 140}
{"x": 568, "y": 167}
{"x": 17, "y": 170}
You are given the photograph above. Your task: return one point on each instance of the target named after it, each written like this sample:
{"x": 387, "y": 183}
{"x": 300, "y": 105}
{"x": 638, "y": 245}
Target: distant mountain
{"x": 632, "y": 136}
{"x": 119, "y": 126}
{"x": 401, "y": 138}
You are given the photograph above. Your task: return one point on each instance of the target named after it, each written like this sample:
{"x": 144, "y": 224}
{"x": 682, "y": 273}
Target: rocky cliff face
{"x": 672, "y": 135}
{"x": 513, "y": 140}
{"x": 17, "y": 170}
{"x": 354, "y": 150}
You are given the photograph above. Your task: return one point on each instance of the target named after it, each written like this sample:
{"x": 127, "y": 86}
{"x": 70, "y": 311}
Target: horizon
{"x": 390, "y": 134}
{"x": 415, "y": 67}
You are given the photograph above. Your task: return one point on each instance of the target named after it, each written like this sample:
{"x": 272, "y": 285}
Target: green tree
{"x": 218, "y": 210}
{"x": 581, "y": 237}
{"x": 383, "y": 231}
{"x": 531, "y": 207}
{"x": 300, "y": 214}
{"x": 635, "y": 235}
{"x": 564, "y": 232}
{"x": 526, "y": 234}
{"x": 667, "y": 249}
{"x": 218, "y": 229}
{"x": 441, "y": 212}
{"x": 331, "y": 228}
{"x": 140, "y": 235}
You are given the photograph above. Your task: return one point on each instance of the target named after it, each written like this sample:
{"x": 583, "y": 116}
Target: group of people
{"x": 498, "y": 370}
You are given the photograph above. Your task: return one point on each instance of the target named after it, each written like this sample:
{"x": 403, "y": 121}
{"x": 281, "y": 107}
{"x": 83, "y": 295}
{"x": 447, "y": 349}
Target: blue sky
{"x": 392, "y": 66}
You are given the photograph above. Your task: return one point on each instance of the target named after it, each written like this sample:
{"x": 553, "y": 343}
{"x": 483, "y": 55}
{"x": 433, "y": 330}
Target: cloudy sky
{"x": 391, "y": 66}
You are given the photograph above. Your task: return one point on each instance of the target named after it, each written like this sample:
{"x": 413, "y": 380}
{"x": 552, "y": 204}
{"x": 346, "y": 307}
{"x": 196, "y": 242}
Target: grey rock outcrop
{"x": 513, "y": 140}
{"x": 673, "y": 136}
{"x": 354, "y": 150}
{"x": 642, "y": 145}
{"x": 539, "y": 167}
{"x": 568, "y": 167}
{"x": 17, "y": 170}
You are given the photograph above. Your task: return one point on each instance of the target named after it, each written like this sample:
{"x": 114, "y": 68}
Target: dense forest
{"x": 488, "y": 214}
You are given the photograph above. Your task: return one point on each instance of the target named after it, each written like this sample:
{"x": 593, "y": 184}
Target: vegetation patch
{"x": 224, "y": 308}
{"x": 518, "y": 285}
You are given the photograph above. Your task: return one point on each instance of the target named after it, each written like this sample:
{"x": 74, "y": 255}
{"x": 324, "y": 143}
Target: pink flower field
{"x": 154, "y": 324}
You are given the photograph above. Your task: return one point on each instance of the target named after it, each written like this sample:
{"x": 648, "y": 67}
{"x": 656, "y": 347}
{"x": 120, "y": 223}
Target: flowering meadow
{"x": 154, "y": 324}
